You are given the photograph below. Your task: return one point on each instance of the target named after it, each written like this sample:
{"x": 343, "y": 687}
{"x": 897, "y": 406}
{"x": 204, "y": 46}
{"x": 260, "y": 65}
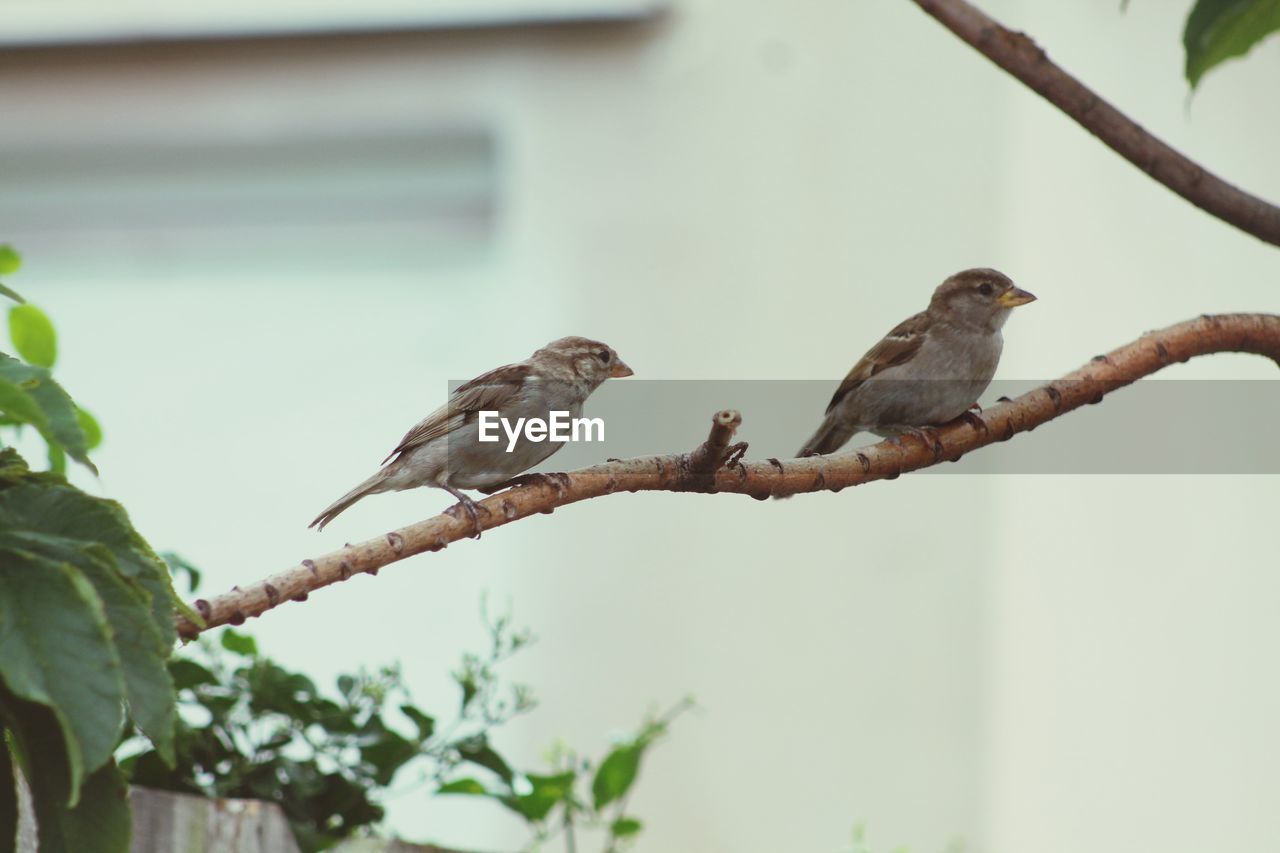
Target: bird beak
{"x": 1014, "y": 297}
{"x": 620, "y": 369}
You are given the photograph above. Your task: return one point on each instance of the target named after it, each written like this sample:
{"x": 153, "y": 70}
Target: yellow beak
{"x": 620, "y": 369}
{"x": 1014, "y": 297}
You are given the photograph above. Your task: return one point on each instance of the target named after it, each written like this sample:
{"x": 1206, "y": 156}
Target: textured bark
{"x": 717, "y": 466}
{"x": 1019, "y": 55}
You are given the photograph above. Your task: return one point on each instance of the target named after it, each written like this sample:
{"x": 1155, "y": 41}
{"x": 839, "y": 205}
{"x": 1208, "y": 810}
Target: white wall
{"x": 743, "y": 190}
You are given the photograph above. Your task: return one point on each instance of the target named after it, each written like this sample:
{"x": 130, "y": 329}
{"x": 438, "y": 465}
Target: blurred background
{"x": 269, "y": 240}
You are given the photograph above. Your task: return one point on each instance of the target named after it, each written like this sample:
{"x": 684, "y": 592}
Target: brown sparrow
{"x": 445, "y": 450}
{"x": 930, "y": 369}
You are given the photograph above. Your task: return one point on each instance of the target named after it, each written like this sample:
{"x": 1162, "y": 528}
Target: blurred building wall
{"x": 736, "y": 190}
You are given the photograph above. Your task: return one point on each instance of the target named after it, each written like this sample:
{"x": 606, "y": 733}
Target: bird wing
{"x": 898, "y": 346}
{"x": 487, "y": 392}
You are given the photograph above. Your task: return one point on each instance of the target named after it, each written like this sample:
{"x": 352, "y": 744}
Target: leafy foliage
{"x": 539, "y": 797}
{"x": 10, "y": 263}
{"x": 33, "y": 336}
{"x": 1218, "y": 30}
{"x": 251, "y": 728}
{"x": 87, "y": 613}
{"x": 29, "y": 396}
{"x": 86, "y": 616}
{"x": 180, "y": 566}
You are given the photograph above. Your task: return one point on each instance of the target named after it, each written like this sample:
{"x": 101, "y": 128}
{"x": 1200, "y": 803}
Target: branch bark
{"x": 716, "y": 466}
{"x": 1019, "y": 55}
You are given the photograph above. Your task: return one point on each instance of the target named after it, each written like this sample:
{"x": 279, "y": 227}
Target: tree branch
{"x": 716, "y": 466}
{"x": 1017, "y": 54}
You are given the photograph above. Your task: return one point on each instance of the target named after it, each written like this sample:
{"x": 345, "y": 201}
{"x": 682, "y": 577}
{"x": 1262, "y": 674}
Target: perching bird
{"x": 930, "y": 369}
{"x": 444, "y": 450}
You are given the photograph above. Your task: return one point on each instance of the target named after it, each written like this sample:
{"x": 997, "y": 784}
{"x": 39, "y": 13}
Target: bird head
{"x": 575, "y": 359}
{"x": 979, "y": 298}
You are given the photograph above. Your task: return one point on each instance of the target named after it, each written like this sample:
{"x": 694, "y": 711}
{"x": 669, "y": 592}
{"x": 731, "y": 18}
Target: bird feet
{"x": 922, "y": 434}
{"x": 470, "y": 507}
{"x": 557, "y": 481}
{"x": 927, "y": 436}
{"x": 973, "y": 419}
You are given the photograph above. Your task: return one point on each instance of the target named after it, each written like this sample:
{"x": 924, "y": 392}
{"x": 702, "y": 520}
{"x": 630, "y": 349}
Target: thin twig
{"x": 1019, "y": 55}
{"x": 1251, "y": 333}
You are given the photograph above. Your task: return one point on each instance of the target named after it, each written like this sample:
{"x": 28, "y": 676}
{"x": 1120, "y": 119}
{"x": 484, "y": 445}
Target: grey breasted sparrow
{"x": 930, "y": 369}
{"x": 444, "y": 449}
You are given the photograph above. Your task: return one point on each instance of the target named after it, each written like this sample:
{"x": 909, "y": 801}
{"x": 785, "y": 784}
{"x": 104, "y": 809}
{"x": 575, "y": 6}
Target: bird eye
{"x": 604, "y": 356}
{"x": 985, "y": 288}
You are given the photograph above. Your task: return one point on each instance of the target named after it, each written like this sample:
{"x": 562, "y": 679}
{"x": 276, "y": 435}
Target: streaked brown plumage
{"x": 930, "y": 367}
{"x": 444, "y": 450}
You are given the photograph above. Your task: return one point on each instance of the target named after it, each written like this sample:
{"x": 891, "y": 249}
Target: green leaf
{"x": 180, "y": 565}
{"x": 56, "y": 650}
{"x": 14, "y": 471}
{"x": 274, "y": 689}
{"x": 90, "y": 427}
{"x": 469, "y": 689}
{"x": 426, "y": 723}
{"x": 46, "y": 765}
{"x": 33, "y": 336}
{"x": 387, "y": 755}
{"x": 9, "y": 264}
{"x": 101, "y": 820}
{"x": 8, "y": 798}
{"x": 98, "y": 819}
{"x": 477, "y": 751}
{"x": 138, "y": 640}
{"x": 463, "y": 786}
{"x": 57, "y": 459}
{"x": 616, "y": 774}
{"x": 141, "y": 646}
{"x": 546, "y": 792}
{"x": 148, "y": 771}
{"x": 48, "y": 505}
{"x": 625, "y": 827}
{"x": 347, "y": 801}
{"x": 57, "y": 423}
{"x": 20, "y": 407}
{"x": 86, "y": 614}
{"x": 10, "y": 260}
{"x": 237, "y": 643}
{"x": 1218, "y": 30}
{"x": 187, "y": 674}
{"x": 327, "y": 713}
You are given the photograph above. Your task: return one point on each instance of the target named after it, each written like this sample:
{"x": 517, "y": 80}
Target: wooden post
{"x": 167, "y": 822}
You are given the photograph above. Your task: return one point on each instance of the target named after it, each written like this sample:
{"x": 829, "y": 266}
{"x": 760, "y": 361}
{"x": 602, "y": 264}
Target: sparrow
{"x": 444, "y": 451}
{"x": 930, "y": 369}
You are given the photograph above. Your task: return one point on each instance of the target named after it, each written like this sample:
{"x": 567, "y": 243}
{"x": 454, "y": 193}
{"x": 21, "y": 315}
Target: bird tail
{"x": 373, "y": 485}
{"x": 829, "y": 438}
